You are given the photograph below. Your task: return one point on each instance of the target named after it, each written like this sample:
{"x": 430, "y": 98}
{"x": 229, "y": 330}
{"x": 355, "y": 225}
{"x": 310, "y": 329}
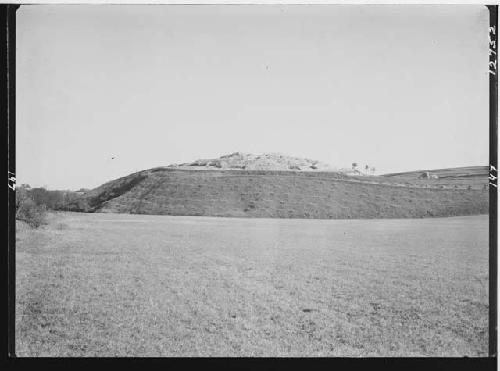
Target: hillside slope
{"x": 283, "y": 194}
{"x": 456, "y": 172}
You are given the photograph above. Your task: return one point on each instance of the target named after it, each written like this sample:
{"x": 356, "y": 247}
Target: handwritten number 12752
{"x": 492, "y": 51}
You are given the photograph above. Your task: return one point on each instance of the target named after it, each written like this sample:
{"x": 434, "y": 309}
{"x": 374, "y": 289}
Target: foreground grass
{"x": 131, "y": 285}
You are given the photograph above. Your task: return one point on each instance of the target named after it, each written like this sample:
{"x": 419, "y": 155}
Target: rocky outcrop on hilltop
{"x": 266, "y": 161}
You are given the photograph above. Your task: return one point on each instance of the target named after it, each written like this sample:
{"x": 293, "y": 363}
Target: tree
{"x": 367, "y": 168}
{"x": 27, "y": 210}
{"x": 21, "y": 196}
{"x": 354, "y": 165}
{"x": 373, "y": 170}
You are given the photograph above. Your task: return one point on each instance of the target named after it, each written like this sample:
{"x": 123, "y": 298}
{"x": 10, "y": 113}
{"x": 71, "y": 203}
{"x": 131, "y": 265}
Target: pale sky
{"x": 400, "y": 88}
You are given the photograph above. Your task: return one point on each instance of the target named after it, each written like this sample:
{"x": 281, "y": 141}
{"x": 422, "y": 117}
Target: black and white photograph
{"x": 253, "y": 180}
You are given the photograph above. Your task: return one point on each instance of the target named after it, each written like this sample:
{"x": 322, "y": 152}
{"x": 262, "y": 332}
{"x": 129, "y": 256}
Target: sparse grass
{"x": 134, "y": 285}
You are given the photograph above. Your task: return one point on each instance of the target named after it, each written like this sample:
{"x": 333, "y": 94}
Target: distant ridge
{"x": 456, "y": 172}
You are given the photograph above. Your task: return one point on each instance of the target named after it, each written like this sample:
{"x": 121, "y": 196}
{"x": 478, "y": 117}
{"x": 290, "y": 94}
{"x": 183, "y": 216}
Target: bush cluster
{"x": 28, "y": 211}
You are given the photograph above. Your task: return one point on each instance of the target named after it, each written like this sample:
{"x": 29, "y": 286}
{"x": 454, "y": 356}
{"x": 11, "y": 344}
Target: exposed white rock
{"x": 265, "y": 161}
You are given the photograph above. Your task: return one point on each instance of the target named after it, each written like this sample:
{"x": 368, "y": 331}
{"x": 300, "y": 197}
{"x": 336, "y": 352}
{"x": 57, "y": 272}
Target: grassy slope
{"x": 141, "y": 285}
{"x": 461, "y": 177}
{"x": 276, "y": 194}
{"x": 457, "y": 172}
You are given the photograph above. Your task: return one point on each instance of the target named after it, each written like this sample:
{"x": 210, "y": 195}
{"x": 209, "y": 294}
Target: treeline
{"x": 32, "y": 203}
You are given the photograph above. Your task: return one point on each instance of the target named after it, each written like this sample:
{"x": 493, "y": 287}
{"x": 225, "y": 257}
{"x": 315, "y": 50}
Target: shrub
{"x": 28, "y": 211}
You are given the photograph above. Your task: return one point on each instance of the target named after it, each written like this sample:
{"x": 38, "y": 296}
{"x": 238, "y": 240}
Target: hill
{"x": 288, "y": 194}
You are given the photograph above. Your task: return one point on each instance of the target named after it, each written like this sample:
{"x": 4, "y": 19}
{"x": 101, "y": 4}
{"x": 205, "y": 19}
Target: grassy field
{"x": 137, "y": 285}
